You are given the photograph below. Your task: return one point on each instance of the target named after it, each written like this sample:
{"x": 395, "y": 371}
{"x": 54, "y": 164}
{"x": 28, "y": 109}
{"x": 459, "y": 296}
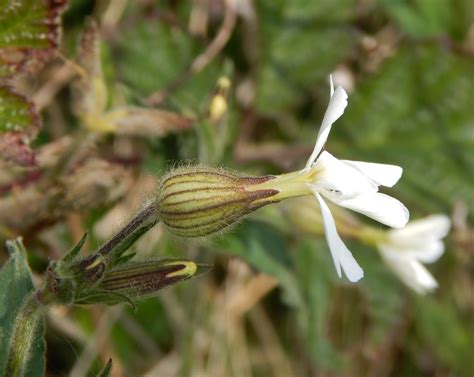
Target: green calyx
{"x": 199, "y": 201}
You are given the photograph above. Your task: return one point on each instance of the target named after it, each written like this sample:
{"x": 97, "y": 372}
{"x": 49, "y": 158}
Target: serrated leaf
{"x": 16, "y": 287}
{"x": 19, "y": 123}
{"x": 29, "y": 32}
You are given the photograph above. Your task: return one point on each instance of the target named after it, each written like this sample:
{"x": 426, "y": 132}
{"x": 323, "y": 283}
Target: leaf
{"x": 91, "y": 98}
{"x": 155, "y": 55}
{"x": 417, "y": 113}
{"x": 141, "y": 121}
{"x": 313, "y": 270}
{"x": 445, "y": 332}
{"x": 29, "y": 33}
{"x": 16, "y": 287}
{"x": 298, "y": 52}
{"x": 428, "y": 18}
{"x": 90, "y": 93}
{"x": 19, "y": 123}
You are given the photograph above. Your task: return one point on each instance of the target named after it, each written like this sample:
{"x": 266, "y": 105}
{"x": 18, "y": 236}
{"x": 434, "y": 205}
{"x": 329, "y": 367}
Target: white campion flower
{"x": 350, "y": 184}
{"x": 406, "y": 250}
{"x": 199, "y": 201}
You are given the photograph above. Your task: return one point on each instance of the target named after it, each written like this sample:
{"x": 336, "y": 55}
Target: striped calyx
{"x": 140, "y": 280}
{"x": 198, "y": 201}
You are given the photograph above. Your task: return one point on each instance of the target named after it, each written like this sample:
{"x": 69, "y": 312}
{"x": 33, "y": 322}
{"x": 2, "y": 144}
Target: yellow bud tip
{"x": 189, "y": 269}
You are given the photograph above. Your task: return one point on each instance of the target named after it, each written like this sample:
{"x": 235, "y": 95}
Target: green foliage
{"x": 298, "y": 51}
{"x": 149, "y": 69}
{"x": 17, "y": 114}
{"x": 21, "y": 342}
{"x": 30, "y": 32}
{"x": 419, "y": 105}
{"x": 263, "y": 247}
{"x": 425, "y": 18}
{"x": 408, "y": 68}
{"x": 443, "y": 330}
{"x": 313, "y": 269}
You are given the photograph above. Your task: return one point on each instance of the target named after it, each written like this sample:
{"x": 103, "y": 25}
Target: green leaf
{"x": 417, "y": 113}
{"x": 445, "y": 332}
{"x": 314, "y": 270}
{"x": 155, "y": 55}
{"x": 29, "y": 32}
{"x": 425, "y": 18}
{"x": 21, "y": 326}
{"x": 298, "y": 52}
{"x": 19, "y": 123}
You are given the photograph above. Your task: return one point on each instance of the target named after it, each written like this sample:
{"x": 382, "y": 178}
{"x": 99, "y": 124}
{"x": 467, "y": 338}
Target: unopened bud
{"x": 143, "y": 279}
{"x": 90, "y": 269}
{"x": 198, "y": 201}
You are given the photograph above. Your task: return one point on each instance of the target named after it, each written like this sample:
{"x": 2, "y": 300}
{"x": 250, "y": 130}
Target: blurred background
{"x": 244, "y": 84}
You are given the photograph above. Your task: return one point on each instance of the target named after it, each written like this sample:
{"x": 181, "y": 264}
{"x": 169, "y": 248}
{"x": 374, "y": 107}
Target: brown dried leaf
{"x": 140, "y": 121}
{"x": 89, "y": 90}
{"x": 94, "y": 184}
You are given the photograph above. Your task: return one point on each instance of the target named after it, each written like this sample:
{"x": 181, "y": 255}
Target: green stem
{"x": 26, "y": 330}
{"x": 130, "y": 232}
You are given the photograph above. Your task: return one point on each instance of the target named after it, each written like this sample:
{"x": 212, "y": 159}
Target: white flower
{"x": 350, "y": 184}
{"x": 405, "y": 250}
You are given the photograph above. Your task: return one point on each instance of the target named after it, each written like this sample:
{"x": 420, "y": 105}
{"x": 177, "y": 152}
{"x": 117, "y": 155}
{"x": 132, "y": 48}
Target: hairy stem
{"x": 25, "y": 334}
{"x": 146, "y": 218}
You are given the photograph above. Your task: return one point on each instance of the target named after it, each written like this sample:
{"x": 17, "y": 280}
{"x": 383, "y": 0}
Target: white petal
{"x": 381, "y": 174}
{"x": 336, "y": 107}
{"x": 410, "y": 271}
{"x": 380, "y": 207}
{"x": 341, "y": 255}
{"x": 428, "y": 253}
{"x": 433, "y": 227}
{"x": 337, "y": 180}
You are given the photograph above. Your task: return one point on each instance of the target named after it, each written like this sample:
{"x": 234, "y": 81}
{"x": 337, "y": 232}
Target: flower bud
{"x": 198, "y": 201}
{"x": 143, "y": 279}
